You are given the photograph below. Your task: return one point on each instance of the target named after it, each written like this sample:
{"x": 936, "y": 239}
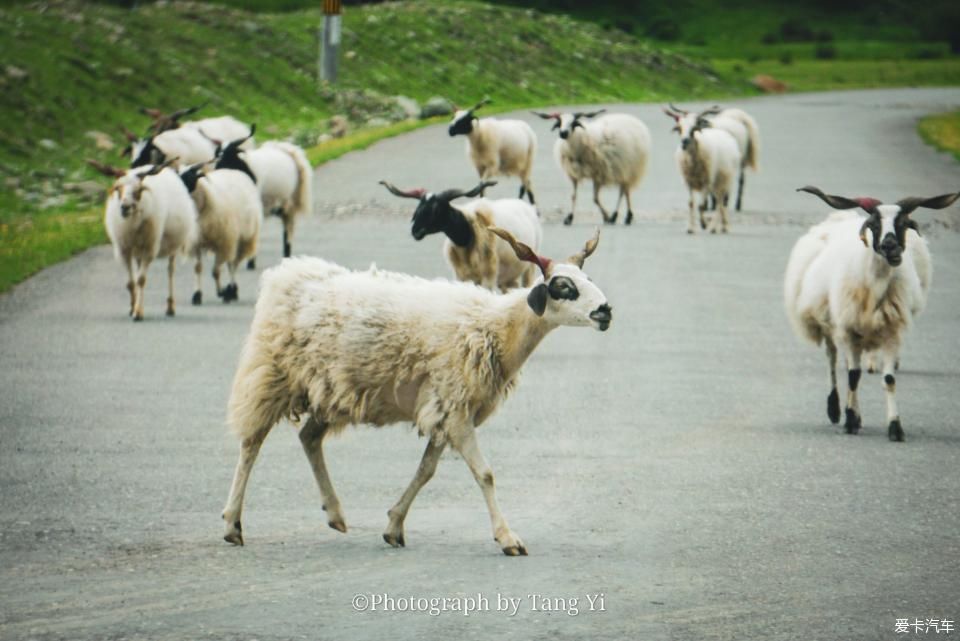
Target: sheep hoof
{"x": 234, "y": 534}
{"x": 833, "y": 407}
{"x": 197, "y": 298}
{"x": 852, "y": 424}
{"x": 395, "y": 540}
{"x": 613, "y": 218}
{"x": 568, "y": 219}
{"x": 515, "y": 550}
{"x": 338, "y": 525}
{"x": 230, "y": 293}
{"x": 138, "y": 316}
{"x": 895, "y": 431}
{"x": 252, "y": 263}
{"x": 171, "y": 312}
{"x": 629, "y": 218}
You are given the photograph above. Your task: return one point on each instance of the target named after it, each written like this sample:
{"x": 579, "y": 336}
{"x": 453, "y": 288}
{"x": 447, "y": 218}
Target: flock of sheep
{"x": 333, "y": 347}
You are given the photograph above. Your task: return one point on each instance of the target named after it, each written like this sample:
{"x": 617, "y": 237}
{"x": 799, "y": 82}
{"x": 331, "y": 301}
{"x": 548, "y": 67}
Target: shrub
{"x": 770, "y": 38}
{"x": 786, "y": 58}
{"x": 664, "y": 29}
{"x": 824, "y": 35}
{"x": 794, "y": 30}
{"x": 825, "y": 52}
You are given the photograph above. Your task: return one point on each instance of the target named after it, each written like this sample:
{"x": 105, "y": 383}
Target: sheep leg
{"x": 141, "y": 286}
{"x": 288, "y": 223}
{"x": 171, "y": 307}
{"x": 894, "y": 429}
{"x": 629, "y": 218}
{"x": 527, "y": 186}
{"x": 740, "y": 189}
{"x": 131, "y": 284}
{"x": 853, "y": 421}
{"x": 833, "y": 400}
{"x": 723, "y": 214}
{"x": 197, "y": 286}
{"x": 217, "y": 262}
{"x": 311, "y": 437}
{"x": 617, "y": 208}
{"x": 428, "y": 465}
{"x": 692, "y": 204}
{"x": 573, "y": 204}
{"x": 464, "y": 440}
{"x": 230, "y": 293}
{"x": 252, "y": 263}
{"x": 249, "y": 449}
{"x": 610, "y": 220}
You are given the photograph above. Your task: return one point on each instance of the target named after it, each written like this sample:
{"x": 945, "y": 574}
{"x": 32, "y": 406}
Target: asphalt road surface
{"x": 673, "y": 478}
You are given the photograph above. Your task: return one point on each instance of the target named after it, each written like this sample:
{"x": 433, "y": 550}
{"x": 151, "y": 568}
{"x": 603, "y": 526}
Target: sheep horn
{"x": 485, "y": 101}
{"x": 156, "y": 169}
{"x": 180, "y": 113}
{"x": 523, "y": 251}
{"x": 675, "y": 116}
{"x": 451, "y": 194}
{"x": 907, "y": 205}
{"x": 413, "y": 193}
{"x": 841, "y": 202}
{"x": 131, "y": 137}
{"x": 590, "y": 247}
{"x": 156, "y": 114}
{"x": 682, "y": 112}
{"x": 106, "y": 170}
{"x": 712, "y": 111}
{"x": 588, "y": 114}
{"x": 553, "y": 116}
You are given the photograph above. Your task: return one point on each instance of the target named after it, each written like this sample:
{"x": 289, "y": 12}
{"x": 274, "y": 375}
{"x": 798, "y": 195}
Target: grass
{"x": 942, "y": 131}
{"x": 331, "y": 149}
{"x": 817, "y": 75}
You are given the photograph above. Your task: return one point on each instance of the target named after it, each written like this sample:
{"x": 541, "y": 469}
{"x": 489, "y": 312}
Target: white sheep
{"x": 611, "y": 150}
{"x": 345, "y": 348}
{"x": 708, "y": 159}
{"x": 148, "y": 215}
{"x": 739, "y": 124}
{"x": 229, "y": 215}
{"x": 283, "y": 175}
{"x": 497, "y": 147}
{"x": 475, "y": 254}
{"x": 853, "y": 283}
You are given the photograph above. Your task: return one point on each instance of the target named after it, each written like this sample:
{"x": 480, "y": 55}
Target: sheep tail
{"x": 303, "y": 199}
{"x": 752, "y": 152}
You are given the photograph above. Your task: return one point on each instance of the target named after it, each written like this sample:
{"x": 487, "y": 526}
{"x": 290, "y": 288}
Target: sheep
{"x": 148, "y": 215}
{"x": 739, "y": 124}
{"x": 345, "y": 347}
{"x": 497, "y": 147}
{"x": 854, "y": 283}
{"x": 283, "y": 175}
{"x": 229, "y": 214}
{"x": 474, "y": 254}
{"x": 708, "y": 159}
{"x": 218, "y": 128}
{"x": 611, "y": 150}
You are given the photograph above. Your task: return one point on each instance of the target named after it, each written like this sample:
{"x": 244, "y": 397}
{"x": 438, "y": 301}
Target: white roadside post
{"x": 330, "y": 40}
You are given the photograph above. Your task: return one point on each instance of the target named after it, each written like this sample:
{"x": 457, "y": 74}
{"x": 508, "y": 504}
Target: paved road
{"x": 680, "y": 464}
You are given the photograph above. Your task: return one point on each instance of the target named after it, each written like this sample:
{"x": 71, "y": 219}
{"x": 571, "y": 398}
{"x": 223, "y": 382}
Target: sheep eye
{"x": 562, "y": 288}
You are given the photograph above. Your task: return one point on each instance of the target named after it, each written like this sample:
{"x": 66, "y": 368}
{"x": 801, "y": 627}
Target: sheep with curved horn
{"x": 148, "y": 215}
{"x": 855, "y": 282}
{"x": 497, "y": 147}
{"x": 342, "y": 348}
{"x": 613, "y": 149}
{"x": 708, "y": 159}
{"x": 739, "y": 124}
{"x": 473, "y": 253}
{"x": 284, "y": 178}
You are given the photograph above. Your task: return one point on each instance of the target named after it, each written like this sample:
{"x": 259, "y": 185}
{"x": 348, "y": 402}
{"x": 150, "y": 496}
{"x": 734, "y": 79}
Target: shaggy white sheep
{"x": 853, "y": 283}
{"x": 342, "y": 348}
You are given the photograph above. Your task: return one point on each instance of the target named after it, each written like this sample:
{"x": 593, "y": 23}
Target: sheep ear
{"x": 537, "y": 299}
{"x": 837, "y": 202}
{"x": 907, "y": 205}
